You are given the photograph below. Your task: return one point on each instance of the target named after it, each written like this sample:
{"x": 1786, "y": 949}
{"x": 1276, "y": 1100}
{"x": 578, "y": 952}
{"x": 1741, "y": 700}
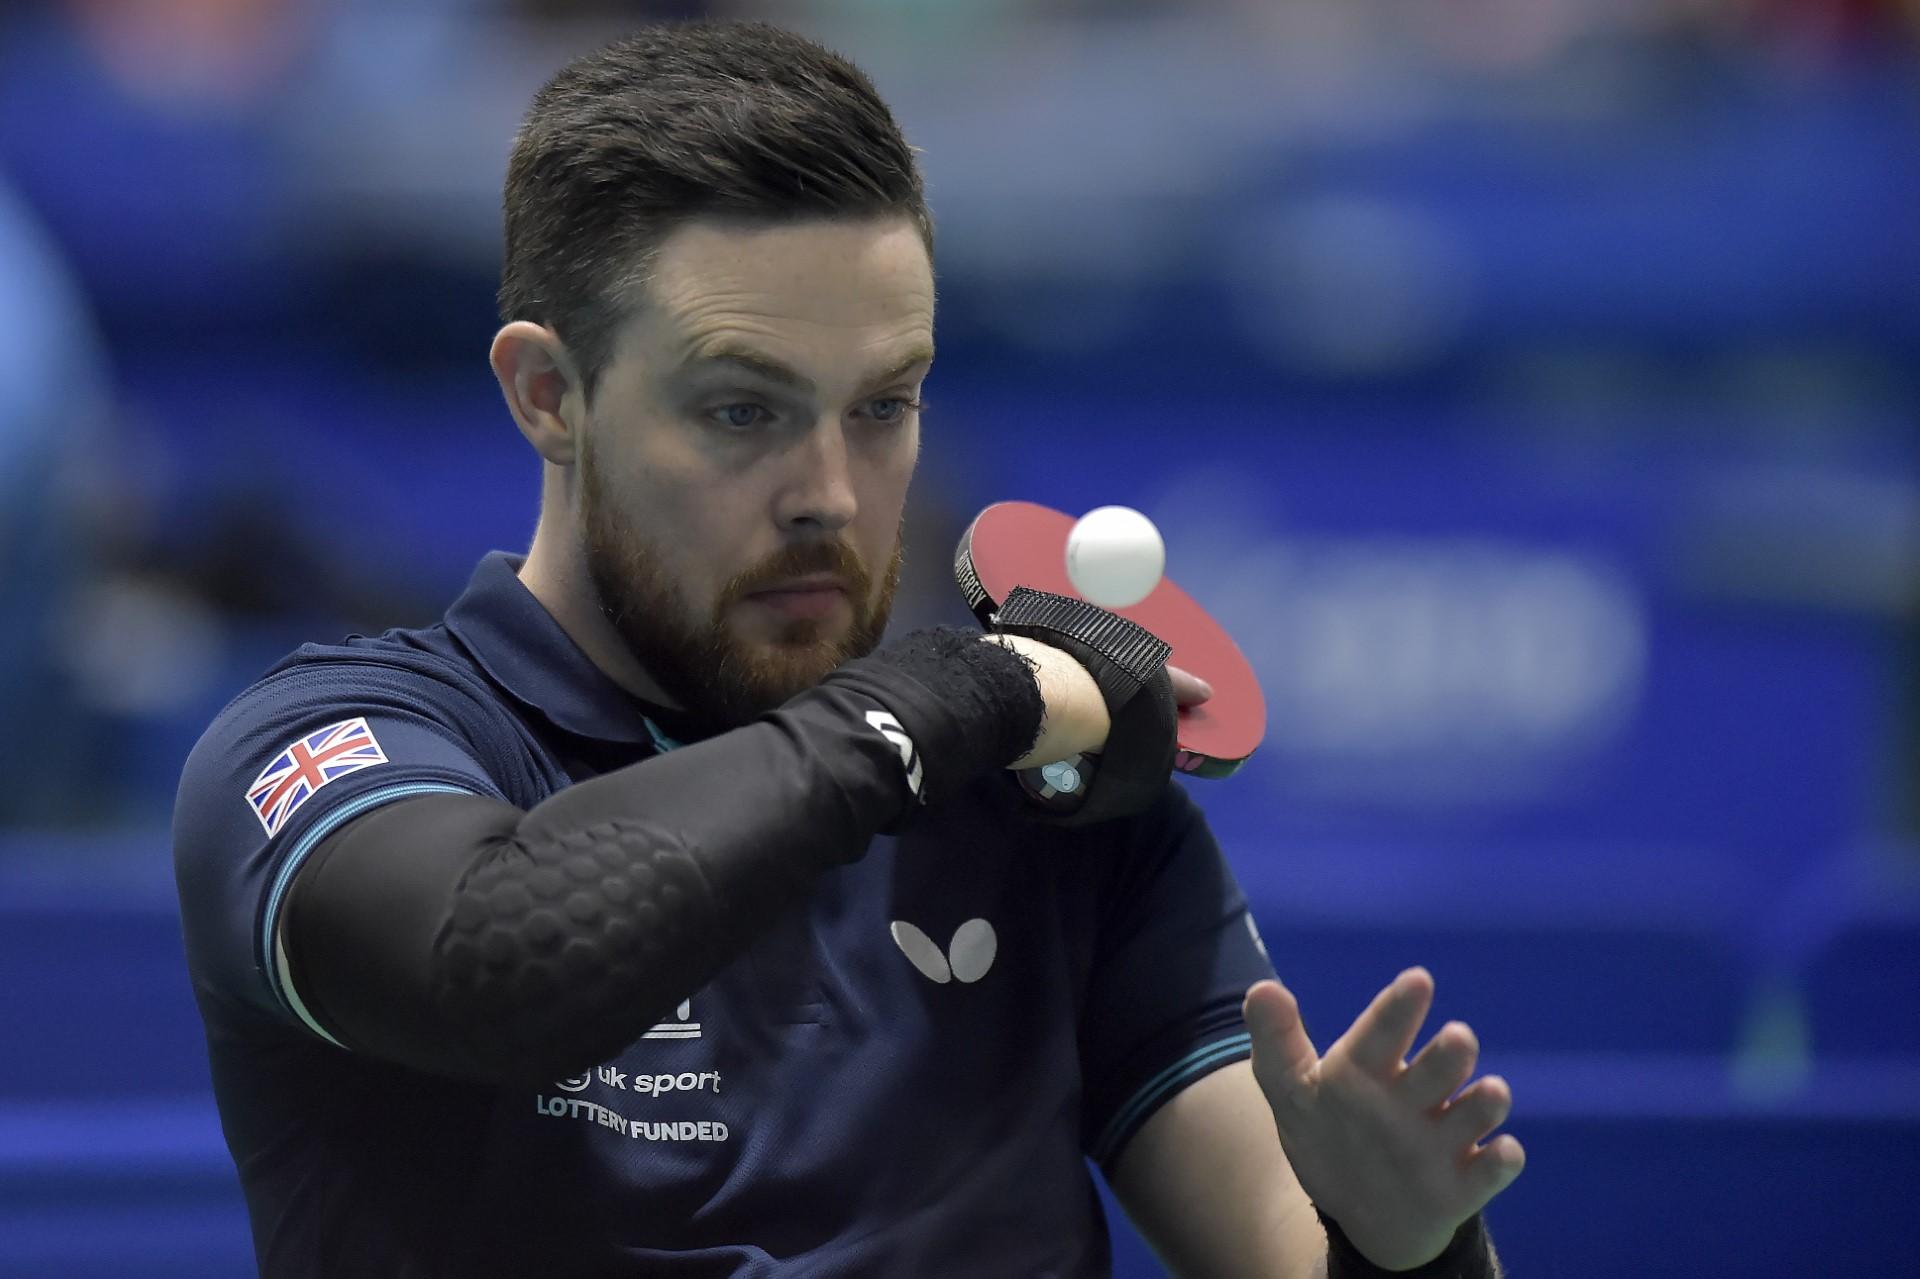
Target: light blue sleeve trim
{"x": 661, "y": 742}
{"x": 328, "y": 823}
{"x": 1200, "y": 1061}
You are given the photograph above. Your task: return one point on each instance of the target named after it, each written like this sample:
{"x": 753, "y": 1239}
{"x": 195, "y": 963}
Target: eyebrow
{"x": 763, "y": 366}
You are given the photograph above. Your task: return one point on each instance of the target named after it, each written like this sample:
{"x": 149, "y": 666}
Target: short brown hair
{"x": 725, "y": 120}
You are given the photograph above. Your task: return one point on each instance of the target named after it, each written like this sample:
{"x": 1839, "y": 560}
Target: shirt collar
{"x": 518, "y": 643}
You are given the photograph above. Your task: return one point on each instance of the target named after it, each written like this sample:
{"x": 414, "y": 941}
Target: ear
{"x": 542, "y": 388}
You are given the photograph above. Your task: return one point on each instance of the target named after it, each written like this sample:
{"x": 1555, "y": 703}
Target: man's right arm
{"x": 461, "y": 935}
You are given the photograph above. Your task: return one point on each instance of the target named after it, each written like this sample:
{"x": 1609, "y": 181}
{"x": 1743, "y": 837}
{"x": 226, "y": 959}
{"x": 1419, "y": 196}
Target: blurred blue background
{"x": 1532, "y": 386}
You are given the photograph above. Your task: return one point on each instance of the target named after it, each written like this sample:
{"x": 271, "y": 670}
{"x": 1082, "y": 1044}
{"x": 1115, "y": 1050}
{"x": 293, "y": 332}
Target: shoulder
{"x": 408, "y": 663}
{"x": 398, "y": 707}
{"x": 326, "y": 734}
{"x": 319, "y": 679}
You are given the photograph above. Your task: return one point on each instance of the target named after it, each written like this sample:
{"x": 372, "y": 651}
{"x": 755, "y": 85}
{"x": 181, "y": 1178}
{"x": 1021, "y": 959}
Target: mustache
{"x": 799, "y": 560}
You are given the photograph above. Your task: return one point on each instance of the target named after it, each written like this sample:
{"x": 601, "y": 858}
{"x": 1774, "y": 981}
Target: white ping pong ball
{"x": 1115, "y": 556}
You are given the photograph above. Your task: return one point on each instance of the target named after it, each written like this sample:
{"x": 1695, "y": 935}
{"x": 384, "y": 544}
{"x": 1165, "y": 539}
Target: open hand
{"x": 1388, "y": 1148}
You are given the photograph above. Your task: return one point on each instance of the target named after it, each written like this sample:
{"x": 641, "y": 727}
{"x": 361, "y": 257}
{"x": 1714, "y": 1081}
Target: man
{"x": 648, "y": 916}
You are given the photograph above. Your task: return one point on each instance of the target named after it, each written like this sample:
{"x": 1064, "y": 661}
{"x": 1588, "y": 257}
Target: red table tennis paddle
{"x": 1013, "y": 544}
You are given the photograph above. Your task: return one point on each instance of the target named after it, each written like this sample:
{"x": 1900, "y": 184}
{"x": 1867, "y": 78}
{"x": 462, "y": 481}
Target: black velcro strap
{"x": 1132, "y": 652}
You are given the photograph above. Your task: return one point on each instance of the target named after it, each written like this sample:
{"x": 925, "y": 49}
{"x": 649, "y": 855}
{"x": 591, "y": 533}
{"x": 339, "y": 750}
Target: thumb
{"x": 1188, "y": 689}
{"x": 1283, "y": 1056}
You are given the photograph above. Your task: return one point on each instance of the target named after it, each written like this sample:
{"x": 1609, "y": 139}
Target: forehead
{"x": 865, "y": 284}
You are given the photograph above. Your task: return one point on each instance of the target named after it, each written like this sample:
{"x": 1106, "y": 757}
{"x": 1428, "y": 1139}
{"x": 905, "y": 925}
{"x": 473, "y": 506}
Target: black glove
{"x": 1129, "y": 666}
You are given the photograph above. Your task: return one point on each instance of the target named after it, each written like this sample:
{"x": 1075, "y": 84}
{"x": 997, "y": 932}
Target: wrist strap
{"x": 1132, "y": 653}
{"x": 1468, "y": 1255}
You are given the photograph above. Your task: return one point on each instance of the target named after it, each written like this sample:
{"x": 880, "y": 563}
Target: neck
{"x": 556, "y": 574}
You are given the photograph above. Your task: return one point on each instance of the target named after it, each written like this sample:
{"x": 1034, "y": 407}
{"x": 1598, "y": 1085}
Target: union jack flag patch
{"x": 307, "y": 765}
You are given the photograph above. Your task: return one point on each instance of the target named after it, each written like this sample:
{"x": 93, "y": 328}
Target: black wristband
{"x": 972, "y": 706}
{"x": 1468, "y": 1255}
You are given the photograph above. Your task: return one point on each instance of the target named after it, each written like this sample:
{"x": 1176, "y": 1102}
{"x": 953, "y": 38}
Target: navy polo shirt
{"x": 907, "y": 1075}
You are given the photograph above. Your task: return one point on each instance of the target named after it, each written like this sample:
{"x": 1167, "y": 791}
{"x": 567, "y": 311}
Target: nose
{"x": 818, "y": 493}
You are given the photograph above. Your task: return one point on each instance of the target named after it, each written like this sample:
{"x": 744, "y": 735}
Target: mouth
{"x": 812, "y": 582}
{"x": 815, "y": 596}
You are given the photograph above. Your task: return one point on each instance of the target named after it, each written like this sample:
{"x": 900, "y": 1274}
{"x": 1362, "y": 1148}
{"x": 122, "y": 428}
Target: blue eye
{"x": 740, "y": 417}
{"x": 892, "y": 408}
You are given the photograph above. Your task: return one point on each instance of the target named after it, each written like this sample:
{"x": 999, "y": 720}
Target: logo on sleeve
{"x": 889, "y": 727}
{"x": 307, "y": 765}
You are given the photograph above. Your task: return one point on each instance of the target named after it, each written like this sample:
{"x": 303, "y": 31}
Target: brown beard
{"x": 721, "y": 682}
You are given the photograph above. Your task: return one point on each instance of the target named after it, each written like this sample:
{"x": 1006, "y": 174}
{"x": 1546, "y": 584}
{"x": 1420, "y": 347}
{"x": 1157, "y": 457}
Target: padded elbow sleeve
{"x": 560, "y": 950}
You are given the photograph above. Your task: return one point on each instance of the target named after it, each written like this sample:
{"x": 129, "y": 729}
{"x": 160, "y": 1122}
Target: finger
{"x": 1380, "y": 1036}
{"x": 1442, "y": 1066}
{"x": 1283, "y": 1055}
{"x": 1494, "y": 1166}
{"x": 1476, "y": 1112}
{"x": 1188, "y": 689}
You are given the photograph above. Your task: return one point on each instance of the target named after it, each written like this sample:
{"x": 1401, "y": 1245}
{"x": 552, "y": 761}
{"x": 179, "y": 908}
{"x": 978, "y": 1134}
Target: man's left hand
{"x": 1388, "y": 1148}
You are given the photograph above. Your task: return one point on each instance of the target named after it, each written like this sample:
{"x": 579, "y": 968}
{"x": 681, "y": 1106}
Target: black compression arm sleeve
{"x": 460, "y": 935}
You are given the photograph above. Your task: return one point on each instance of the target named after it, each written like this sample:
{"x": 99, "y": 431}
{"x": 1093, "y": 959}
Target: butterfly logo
{"x": 967, "y": 958}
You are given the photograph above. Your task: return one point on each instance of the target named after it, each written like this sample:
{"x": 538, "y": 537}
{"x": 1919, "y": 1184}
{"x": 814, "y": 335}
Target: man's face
{"x": 757, "y": 427}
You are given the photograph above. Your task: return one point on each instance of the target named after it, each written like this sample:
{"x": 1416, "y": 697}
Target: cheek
{"x": 882, "y": 506}
{"x": 886, "y": 492}
{"x": 703, "y": 545}
{"x": 674, "y": 524}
